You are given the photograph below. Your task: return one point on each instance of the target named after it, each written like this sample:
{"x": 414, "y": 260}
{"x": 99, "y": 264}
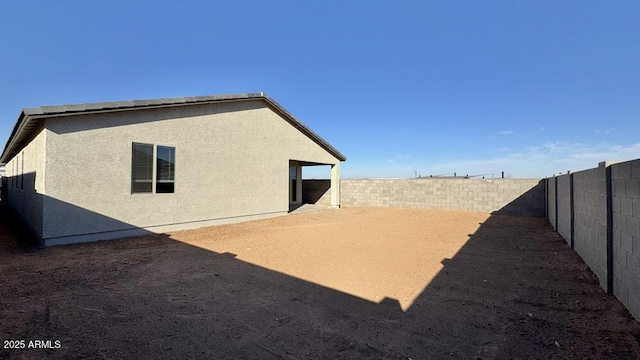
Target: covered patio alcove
{"x": 323, "y": 192}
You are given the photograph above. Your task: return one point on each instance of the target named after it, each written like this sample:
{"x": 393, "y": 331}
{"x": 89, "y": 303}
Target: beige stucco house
{"x": 108, "y": 170}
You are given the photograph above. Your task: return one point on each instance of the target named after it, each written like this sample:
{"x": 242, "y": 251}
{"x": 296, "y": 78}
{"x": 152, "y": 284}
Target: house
{"x": 2, "y": 174}
{"x": 109, "y": 170}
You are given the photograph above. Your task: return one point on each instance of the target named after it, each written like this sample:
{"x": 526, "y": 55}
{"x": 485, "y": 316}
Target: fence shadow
{"x": 531, "y": 203}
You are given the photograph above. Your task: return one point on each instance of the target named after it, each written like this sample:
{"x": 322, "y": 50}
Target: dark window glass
{"x": 142, "y": 168}
{"x": 165, "y": 169}
{"x": 293, "y": 176}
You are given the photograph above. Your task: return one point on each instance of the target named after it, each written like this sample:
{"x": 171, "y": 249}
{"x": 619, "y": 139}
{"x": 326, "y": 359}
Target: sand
{"x": 351, "y": 283}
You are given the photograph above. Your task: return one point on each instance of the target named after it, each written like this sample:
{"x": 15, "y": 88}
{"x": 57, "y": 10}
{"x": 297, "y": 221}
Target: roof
{"x": 31, "y": 118}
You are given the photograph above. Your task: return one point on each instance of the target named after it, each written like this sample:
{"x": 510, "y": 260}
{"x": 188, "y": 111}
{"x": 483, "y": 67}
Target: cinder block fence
{"x": 520, "y": 197}
{"x": 597, "y": 211}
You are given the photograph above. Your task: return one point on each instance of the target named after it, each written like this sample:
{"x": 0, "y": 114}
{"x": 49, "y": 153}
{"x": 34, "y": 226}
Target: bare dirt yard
{"x": 354, "y": 283}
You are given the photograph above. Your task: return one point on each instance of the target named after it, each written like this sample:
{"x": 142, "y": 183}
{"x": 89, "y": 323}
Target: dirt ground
{"x": 366, "y": 283}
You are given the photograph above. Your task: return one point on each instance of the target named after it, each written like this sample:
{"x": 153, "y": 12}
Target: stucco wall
{"x": 590, "y": 220}
{"x": 625, "y": 184}
{"x": 564, "y": 207}
{"x": 524, "y": 197}
{"x": 26, "y": 185}
{"x": 232, "y": 160}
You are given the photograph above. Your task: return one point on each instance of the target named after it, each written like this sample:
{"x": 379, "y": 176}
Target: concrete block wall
{"x": 316, "y": 192}
{"x": 522, "y": 197}
{"x": 625, "y": 208}
{"x": 563, "y": 225}
{"x": 605, "y": 219}
{"x": 590, "y": 220}
{"x": 551, "y": 201}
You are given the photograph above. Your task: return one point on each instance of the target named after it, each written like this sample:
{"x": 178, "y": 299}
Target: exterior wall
{"x": 564, "y": 207}
{"x": 523, "y": 197}
{"x": 551, "y": 202}
{"x": 590, "y": 220}
{"x": 232, "y": 162}
{"x": 625, "y": 179}
{"x": 25, "y": 183}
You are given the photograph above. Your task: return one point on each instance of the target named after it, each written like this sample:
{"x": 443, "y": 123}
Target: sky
{"x": 531, "y": 88}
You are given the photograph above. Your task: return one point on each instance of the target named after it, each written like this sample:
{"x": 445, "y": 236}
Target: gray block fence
{"x": 519, "y": 197}
{"x": 597, "y": 211}
{"x": 551, "y": 202}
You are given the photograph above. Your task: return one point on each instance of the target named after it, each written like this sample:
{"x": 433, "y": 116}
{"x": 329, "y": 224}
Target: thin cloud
{"x": 504, "y": 132}
{"x": 604, "y": 131}
{"x": 504, "y": 149}
{"x": 530, "y": 162}
{"x": 544, "y": 160}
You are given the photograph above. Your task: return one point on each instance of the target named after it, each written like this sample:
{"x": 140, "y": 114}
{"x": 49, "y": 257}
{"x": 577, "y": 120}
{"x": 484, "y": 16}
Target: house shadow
{"x": 313, "y": 190}
{"x": 14, "y": 235}
{"x": 63, "y": 222}
{"x": 294, "y": 207}
{"x": 514, "y": 290}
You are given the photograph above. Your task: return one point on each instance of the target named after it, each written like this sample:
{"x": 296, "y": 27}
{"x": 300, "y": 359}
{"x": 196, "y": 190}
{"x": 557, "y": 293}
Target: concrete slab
{"x": 305, "y": 208}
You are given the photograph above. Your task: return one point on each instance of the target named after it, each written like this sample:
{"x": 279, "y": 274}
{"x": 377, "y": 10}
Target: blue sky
{"x": 473, "y": 87}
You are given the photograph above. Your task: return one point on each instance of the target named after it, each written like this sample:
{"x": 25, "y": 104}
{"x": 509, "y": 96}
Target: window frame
{"x": 154, "y": 169}
{"x": 133, "y": 169}
{"x": 157, "y": 179}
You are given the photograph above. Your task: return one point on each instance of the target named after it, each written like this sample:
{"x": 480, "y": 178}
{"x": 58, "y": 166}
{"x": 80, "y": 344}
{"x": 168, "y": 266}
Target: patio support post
{"x": 335, "y": 185}
{"x": 298, "y": 183}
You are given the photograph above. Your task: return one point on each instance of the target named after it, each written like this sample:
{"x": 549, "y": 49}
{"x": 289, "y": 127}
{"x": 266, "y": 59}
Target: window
{"x": 293, "y": 172}
{"x": 165, "y": 169}
{"x": 142, "y": 169}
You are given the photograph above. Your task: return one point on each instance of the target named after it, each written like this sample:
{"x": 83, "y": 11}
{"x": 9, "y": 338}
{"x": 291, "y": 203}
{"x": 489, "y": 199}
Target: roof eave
{"x": 12, "y": 138}
{"x": 305, "y": 129}
{"x": 30, "y": 114}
